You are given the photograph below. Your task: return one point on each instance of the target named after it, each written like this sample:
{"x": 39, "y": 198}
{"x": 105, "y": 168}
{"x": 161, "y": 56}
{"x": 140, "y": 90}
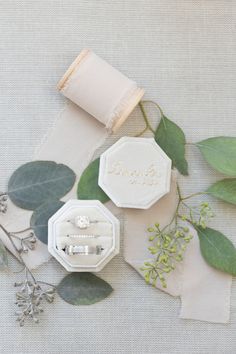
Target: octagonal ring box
{"x": 135, "y": 172}
{"x": 83, "y": 225}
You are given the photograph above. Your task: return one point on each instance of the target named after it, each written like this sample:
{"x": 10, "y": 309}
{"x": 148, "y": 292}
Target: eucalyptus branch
{"x": 156, "y": 105}
{"x": 21, "y": 231}
{"x": 194, "y": 195}
{"x": 142, "y": 132}
{"x": 174, "y": 216}
{"x": 46, "y": 283}
{"x": 27, "y": 243}
{"x": 17, "y": 251}
{"x": 31, "y": 293}
{"x": 148, "y": 125}
{"x": 145, "y": 117}
{"x": 19, "y": 257}
{"x": 170, "y": 242}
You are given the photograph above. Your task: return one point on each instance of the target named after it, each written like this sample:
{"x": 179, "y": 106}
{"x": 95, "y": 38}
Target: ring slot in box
{"x": 83, "y": 235}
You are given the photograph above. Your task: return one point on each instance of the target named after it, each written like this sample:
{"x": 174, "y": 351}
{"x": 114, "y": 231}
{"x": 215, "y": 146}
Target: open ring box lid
{"x": 135, "y": 172}
{"x": 106, "y": 228}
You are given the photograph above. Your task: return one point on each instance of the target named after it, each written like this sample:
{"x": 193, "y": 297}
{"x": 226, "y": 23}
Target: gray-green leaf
{"x": 217, "y": 250}
{"x": 170, "y": 137}
{"x": 3, "y": 257}
{"x": 83, "y": 289}
{"x": 39, "y": 181}
{"x": 39, "y": 218}
{"x": 88, "y": 187}
{"x": 220, "y": 153}
{"x": 224, "y": 190}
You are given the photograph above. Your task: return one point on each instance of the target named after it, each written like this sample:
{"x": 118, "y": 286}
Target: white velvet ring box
{"x": 135, "y": 172}
{"x": 84, "y": 226}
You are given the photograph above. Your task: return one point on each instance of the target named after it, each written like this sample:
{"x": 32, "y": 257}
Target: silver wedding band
{"x": 83, "y": 250}
{"x": 82, "y": 236}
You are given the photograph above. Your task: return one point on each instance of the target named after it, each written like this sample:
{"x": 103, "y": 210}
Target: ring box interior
{"x": 103, "y": 231}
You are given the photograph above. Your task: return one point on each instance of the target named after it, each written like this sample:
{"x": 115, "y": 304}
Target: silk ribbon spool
{"x": 99, "y": 89}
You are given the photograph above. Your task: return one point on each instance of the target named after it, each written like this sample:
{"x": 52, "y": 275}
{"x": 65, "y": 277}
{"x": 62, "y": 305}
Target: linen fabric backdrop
{"x": 183, "y": 53}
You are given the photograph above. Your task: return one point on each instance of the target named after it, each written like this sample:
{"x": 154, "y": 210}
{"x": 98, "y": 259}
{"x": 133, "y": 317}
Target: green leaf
{"x": 217, "y": 250}
{"x": 3, "y": 257}
{"x": 171, "y": 139}
{"x": 39, "y": 181}
{"x": 40, "y": 217}
{"x": 220, "y": 153}
{"x": 83, "y": 289}
{"x": 88, "y": 187}
{"x": 224, "y": 190}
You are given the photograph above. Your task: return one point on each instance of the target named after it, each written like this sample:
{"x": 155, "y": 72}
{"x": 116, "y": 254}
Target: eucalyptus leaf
{"x": 217, "y": 250}
{"x": 220, "y": 153}
{"x": 83, "y": 289}
{"x": 88, "y": 187}
{"x": 224, "y": 190}
{"x": 170, "y": 137}
{"x": 3, "y": 257}
{"x": 39, "y": 181}
{"x": 40, "y": 217}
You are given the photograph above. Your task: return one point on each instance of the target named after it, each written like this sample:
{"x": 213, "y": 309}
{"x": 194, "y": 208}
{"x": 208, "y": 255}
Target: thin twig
{"x": 194, "y": 195}
{"x": 20, "y": 232}
{"x": 155, "y": 104}
{"x": 146, "y": 118}
{"x": 44, "y": 282}
{"x": 20, "y": 258}
{"x": 142, "y": 132}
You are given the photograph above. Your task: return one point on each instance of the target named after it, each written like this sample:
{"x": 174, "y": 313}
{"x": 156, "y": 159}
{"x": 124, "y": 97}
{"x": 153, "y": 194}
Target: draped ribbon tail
{"x": 205, "y": 291}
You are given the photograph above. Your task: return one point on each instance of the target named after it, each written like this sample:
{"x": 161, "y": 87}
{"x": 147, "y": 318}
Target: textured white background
{"x": 183, "y": 52}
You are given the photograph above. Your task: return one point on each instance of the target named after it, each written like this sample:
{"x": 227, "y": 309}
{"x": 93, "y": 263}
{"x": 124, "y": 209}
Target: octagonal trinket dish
{"x": 135, "y": 172}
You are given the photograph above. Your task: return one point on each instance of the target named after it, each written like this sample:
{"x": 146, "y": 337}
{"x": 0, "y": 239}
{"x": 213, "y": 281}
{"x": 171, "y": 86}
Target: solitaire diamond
{"x": 82, "y": 221}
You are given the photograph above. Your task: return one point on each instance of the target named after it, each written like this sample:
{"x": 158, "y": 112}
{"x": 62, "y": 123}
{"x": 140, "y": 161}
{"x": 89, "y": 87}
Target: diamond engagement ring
{"x": 83, "y": 250}
{"x": 82, "y": 221}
